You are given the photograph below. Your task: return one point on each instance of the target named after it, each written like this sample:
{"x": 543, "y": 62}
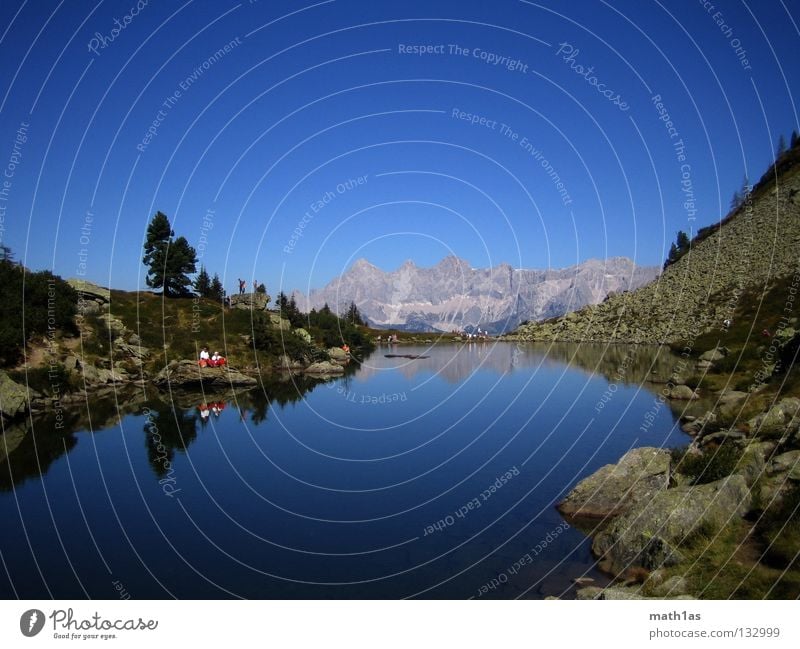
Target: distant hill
{"x": 752, "y": 249}
{"x": 453, "y": 295}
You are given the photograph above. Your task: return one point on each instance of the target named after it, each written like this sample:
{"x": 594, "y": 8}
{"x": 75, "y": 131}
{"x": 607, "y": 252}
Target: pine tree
{"x": 683, "y": 242}
{"x": 216, "y": 290}
{"x": 736, "y": 201}
{"x": 202, "y": 285}
{"x": 352, "y": 315}
{"x": 181, "y": 262}
{"x": 169, "y": 261}
{"x": 781, "y": 146}
{"x": 795, "y": 140}
{"x": 159, "y": 235}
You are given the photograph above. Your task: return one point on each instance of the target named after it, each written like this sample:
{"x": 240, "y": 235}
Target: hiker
{"x": 255, "y": 286}
{"x": 203, "y": 408}
{"x": 204, "y": 357}
{"x": 217, "y": 360}
{"x": 242, "y": 285}
{"x": 346, "y": 348}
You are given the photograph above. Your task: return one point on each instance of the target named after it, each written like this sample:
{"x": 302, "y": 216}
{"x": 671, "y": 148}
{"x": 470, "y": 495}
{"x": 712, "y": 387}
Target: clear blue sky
{"x": 308, "y": 96}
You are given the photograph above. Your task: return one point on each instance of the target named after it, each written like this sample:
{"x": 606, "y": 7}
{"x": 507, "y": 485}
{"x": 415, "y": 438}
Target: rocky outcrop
{"x": 693, "y": 295}
{"x": 650, "y": 536}
{"x": 188, "y": 374}
{"x": 14, "y": 398}
{"x": 324, "y": 368}
{"x": 91, "y": 297}
{"x": 250, "y": 301}
{"x": 616, "y": 488}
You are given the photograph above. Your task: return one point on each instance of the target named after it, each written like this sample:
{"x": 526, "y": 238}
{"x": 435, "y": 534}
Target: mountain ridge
{"x": 452, "y": 294}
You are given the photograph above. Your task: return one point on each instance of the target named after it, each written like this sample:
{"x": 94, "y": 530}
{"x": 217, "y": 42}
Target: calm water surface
{"x": 407, "y": 478}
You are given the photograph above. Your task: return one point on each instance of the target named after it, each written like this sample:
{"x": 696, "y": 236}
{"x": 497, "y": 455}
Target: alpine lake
{"x": 434, "y": 476}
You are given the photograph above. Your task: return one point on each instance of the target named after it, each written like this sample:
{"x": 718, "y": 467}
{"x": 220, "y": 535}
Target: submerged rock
{"x": 616, "y": 488}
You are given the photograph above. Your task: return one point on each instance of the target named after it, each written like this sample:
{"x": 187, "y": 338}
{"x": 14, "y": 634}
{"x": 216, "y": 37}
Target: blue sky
{"x": 243, "y": 115}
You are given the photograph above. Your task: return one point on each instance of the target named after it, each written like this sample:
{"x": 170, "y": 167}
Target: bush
{"x": 276, "y": 342}
{"x": 710, "y": 465}
{"x": 779, "y": 528}
{"x": 47, "y": 302}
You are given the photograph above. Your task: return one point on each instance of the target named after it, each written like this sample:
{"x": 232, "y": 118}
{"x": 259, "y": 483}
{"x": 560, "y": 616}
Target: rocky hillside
{"x": 756, "y": 244}
{"x": 453, "y": 295}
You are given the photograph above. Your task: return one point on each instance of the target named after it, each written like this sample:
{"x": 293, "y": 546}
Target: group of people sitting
{"x": 215, "y": 360}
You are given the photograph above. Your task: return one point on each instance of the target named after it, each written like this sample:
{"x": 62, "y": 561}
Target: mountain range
{"x": 454, "y": 295}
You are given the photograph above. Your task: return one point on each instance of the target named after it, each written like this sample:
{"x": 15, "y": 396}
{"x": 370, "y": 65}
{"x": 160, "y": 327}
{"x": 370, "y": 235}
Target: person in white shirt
{"x": 204, "y": 357}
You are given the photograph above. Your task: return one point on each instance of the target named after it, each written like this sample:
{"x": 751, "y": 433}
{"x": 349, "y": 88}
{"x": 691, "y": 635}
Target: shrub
{"x": 710, "y": 465}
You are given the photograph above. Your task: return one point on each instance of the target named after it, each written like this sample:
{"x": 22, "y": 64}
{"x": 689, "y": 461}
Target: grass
{"x": 714, "y": 463}
{"x": 723, "y": 564}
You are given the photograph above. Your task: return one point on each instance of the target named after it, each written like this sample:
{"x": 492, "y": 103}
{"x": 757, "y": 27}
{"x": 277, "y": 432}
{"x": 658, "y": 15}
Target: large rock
{"x": 89, "y": 291}
{"x": 280, "y": 323}
{"x": 650, "y": 535}
{"x": 248, "y": 301}
{"x": 14, "y": 397}
{"x": 338, "y": 355}
{"x": 714, "y": 355}
{"x": 682, "y": 393}
{"x": 324, "y": 367}
{"x": 188, "y": 374}
{"x": 615, "y": 488}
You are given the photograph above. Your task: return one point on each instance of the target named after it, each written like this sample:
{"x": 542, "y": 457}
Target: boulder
{"x": 115, "y": 325}
{"x": 11, "y": 438}
{"x": 14, "y": 398}
{"x": 324, "y": 367}
{"x": 784, "y": 462}
{"x": 714, "y": 355}
{"x": 682, "y": 393}
{"x": 280, "y": 323}
{"x": 286, "y": 363}
{"x": 337, "y": 354}
{"x": 132, "y": 351}
{"x": 615, "y": 488}
{"x": 250, "y": 301}
{"x": 188, "y": 374}
{"x": 89, "y": 291}
{"x": 770, "y": 423}
{"x": 302, "y": 333}
{"x": 722, "y": 436}
{"x": 134, "y": 340}
{"x": 752, "y": 463}
{"x": 650, "y": 534}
